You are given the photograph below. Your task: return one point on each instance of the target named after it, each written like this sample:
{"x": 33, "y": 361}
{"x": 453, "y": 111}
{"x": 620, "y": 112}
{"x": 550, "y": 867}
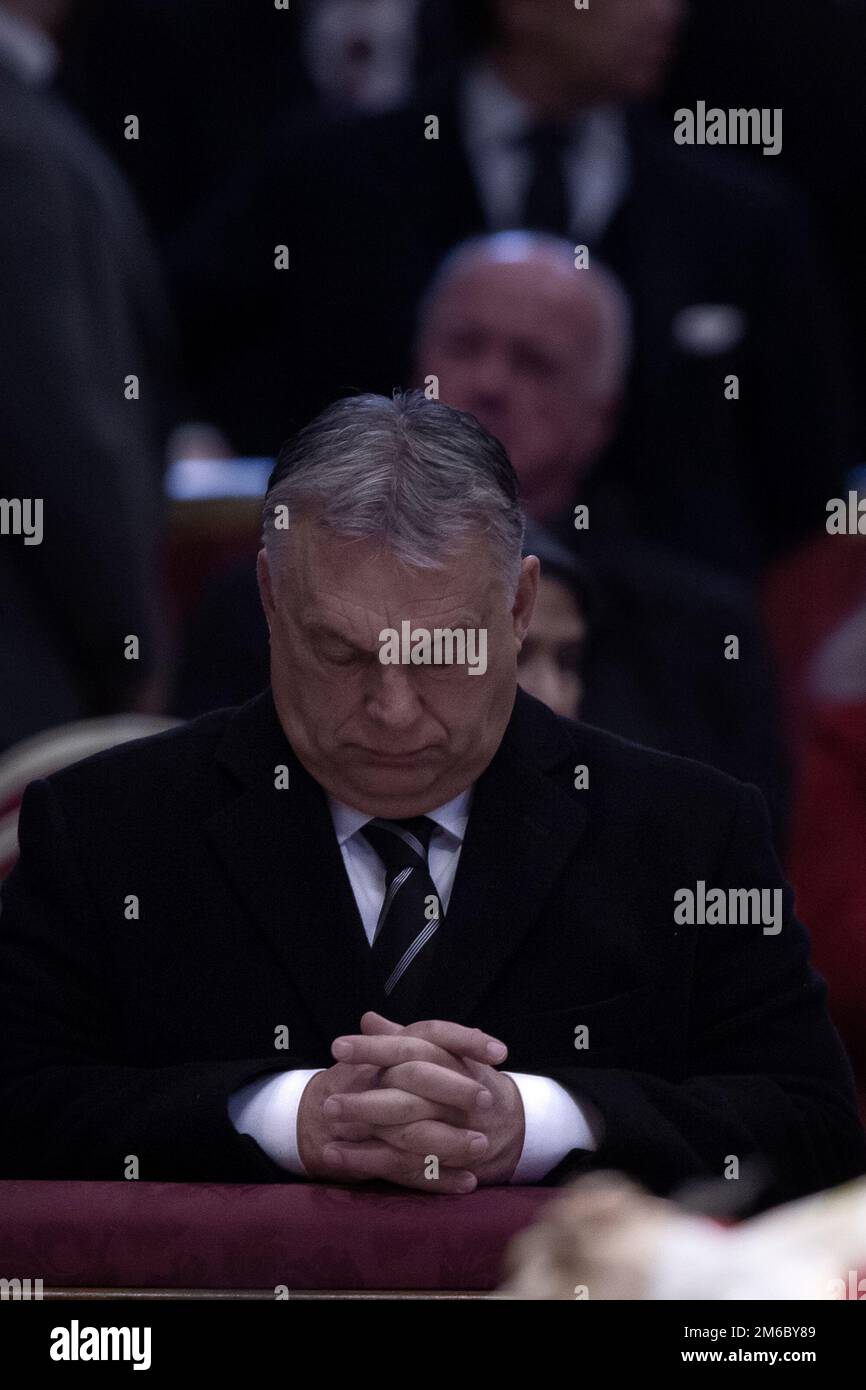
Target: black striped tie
{"x": 411, "y": 912}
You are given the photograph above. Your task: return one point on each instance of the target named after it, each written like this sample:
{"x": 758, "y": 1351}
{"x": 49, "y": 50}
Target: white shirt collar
{"x": 493, "y": 119}
{"x": 28, "y": 49}
{"x": 452, "y": 817}
{"x": 493, "y": 113}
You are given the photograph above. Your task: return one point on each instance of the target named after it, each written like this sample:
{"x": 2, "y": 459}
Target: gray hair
{"x": 410, "y": 471}
{"x": 612, "y": 302}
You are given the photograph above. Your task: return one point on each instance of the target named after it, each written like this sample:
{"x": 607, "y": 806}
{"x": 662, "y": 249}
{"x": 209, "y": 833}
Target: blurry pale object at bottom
{"x": 607, "y": 1238}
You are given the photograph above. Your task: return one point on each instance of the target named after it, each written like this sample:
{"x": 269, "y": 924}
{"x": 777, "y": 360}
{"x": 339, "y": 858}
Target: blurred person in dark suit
{"x": 363, "y": 54}
{"x": 208, "y": 79}
{"x": 386, "y": 878}
{"x": 541, "y": 127}
{"x": 538, "y": 351}
{"x": 806, "y": 60}
{"x": 84, "y": 346}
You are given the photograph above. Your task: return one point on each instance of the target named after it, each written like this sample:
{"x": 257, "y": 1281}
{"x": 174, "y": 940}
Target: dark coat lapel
{"x": 281, "y": 854}
{"x": 282, "y": 857}
{"x": 522, "y": 829}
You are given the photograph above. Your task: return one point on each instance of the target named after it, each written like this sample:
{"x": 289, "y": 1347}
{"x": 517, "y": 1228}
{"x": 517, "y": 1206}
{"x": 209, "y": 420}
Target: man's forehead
{"x": 537, "y": 277}
{"x": 355, "y": 575}
{"x": 511, "y": 297}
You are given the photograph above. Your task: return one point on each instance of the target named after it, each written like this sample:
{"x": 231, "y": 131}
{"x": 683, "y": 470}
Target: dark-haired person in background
{"x": 420, "y": 872}
{"x": 553, "y": 655}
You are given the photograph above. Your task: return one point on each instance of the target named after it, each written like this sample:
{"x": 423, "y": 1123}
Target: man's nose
{"x": 393, "y": 700}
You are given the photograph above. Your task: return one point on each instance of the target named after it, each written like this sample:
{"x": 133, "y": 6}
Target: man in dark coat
{"x": 301, "y": 938}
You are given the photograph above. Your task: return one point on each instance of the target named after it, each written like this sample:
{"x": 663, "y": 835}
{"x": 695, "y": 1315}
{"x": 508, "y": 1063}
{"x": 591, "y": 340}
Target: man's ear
{"x": 525, "y": 597}
{"x": 266, "y": 592}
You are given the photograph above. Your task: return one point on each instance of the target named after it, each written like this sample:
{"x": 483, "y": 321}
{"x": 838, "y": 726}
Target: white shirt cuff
{"x": 555, "y": 1124}
{"x": 267, "y": 1109}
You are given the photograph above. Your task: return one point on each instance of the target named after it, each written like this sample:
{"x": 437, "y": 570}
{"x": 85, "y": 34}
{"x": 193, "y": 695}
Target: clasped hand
{"x": 422, "y": 1106}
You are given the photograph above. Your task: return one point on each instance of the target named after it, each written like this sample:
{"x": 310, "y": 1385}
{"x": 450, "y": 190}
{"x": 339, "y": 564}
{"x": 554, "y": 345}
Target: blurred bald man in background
{"x": 538, "y": 350}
